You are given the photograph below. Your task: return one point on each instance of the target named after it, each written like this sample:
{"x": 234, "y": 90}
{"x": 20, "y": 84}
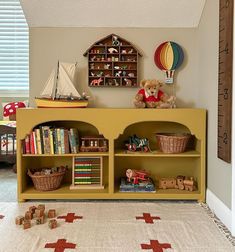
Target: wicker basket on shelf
{"x": 47, "y": 182}
{"x": 172, "y": 142}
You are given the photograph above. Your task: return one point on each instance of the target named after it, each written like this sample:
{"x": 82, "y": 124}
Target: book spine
{"x": 70, "y": 141}
{"x": 66, "y": 141}
{"x": 58, "y": 140}
{"x": 55, "y": 142}
{"x": 31, "y": 139}
{"x": 41, "y": 138}
{"x": 35, "y": 143}
{"x": 51, "y": 141}
{"x": 38, "y": 140}
{"x": 27, "y": 144}
{"x": 62, "y": 141}
{"x": 46, "y": 139}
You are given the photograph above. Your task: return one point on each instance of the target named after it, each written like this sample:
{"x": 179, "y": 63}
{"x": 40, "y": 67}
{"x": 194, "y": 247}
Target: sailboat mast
{"x": 56, "y": 82}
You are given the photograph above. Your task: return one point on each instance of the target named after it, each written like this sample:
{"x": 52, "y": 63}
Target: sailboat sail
{"x": 60, "y": 82}
{"x": 65, "y": 86}
{"x": 49, "y": 85}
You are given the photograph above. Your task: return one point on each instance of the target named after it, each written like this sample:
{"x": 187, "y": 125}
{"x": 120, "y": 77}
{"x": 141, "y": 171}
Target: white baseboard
{"x": 220, "y": 209}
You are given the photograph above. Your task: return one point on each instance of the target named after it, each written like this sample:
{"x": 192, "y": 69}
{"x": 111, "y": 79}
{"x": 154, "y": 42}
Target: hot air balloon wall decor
{"x": 169, "y": 57}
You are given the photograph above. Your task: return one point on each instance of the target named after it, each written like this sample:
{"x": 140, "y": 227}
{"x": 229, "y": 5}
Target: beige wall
{"x": 48, "y": 45}
{"x": 219, "y": 172}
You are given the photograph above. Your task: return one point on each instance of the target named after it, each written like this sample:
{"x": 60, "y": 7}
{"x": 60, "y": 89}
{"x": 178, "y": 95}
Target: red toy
{"x": 136, "y": 175}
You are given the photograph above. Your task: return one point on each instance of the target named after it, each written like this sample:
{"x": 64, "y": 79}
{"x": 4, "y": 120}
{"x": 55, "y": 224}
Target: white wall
{"x": 219, "y": 173}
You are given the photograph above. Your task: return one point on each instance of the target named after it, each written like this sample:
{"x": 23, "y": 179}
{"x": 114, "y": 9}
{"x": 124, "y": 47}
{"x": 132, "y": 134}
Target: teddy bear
{"x": 150, "y": 96}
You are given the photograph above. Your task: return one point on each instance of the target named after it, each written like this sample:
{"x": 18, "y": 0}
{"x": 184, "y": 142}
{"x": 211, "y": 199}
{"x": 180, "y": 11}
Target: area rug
{"x": 114, "y": 227}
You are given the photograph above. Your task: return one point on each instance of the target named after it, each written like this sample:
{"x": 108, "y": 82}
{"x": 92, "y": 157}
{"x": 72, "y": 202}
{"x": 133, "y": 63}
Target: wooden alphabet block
{"x": 41, "y": 206}
{"x": 39, "y": 212}
{"x": 28, "y": 215}
{"x": 52, "y": 223}
{"x": 19, "y": 220}
{"x": 32, "y": 209}
{"x": 27, "y": 224}
{"x": 51, "y": 213}
{"x": 40, "y": 220}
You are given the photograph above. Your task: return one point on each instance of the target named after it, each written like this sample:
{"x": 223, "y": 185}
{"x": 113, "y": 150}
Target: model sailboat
{"x": 59, "y": 90}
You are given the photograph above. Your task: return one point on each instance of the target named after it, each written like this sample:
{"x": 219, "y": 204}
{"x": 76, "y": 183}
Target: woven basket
{"x": 47, "y": 182}
{"x": 172, "y": 142}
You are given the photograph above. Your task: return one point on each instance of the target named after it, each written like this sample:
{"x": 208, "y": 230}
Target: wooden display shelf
{"x": 117, "y": 125}
{"x": 156, "y": 154}
{"x": 111, "y": 57}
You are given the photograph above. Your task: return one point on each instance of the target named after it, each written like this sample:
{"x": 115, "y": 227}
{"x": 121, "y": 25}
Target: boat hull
{"x": 47, "y": 103}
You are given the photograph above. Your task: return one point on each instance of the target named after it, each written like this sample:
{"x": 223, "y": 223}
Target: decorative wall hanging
{"x": 112, "y": 62}
{"x": 168, "y": 57}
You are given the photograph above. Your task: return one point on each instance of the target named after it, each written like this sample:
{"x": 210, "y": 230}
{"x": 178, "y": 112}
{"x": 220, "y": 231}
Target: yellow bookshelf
{"x": 117, "y": 125}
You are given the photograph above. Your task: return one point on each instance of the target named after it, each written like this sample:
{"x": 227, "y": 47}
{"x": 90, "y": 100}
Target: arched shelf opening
{"x": 148, "y": 129}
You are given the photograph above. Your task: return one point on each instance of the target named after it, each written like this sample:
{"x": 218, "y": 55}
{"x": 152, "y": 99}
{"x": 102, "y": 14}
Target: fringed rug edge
{"x": 223, "y": 229}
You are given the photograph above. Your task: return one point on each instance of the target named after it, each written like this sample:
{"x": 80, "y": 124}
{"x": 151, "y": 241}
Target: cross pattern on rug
{"x": 1, "y": 216}
{"x": 156, "y": 246}
{"x": 70, "y": 217}
{"x": 148, "y": 218}
{"x": 60, "y": 245}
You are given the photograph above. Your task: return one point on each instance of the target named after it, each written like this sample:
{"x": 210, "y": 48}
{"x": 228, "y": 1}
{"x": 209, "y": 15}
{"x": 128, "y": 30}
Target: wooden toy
{"x": 19, "y": 220}
{"x": 189, "y": 184}
{"x": 40, "y": 220}
{"x": 112, "y": 50}
{"x": 136, "y": 175}
{"x": 124, "y": 51}
{"x": 134, "y": 143}
{"x": 100, "y": 74}
{"x": 52, "y": 224}
{"x": 39, "y": 212}
{"x": 41, "y": 206}
{"x": 96, "y": 82}
{"x": 51, "y": 213}
{"x": 28, "y": 215}
{"x": 94, "y": 144}
{"x": 92, "y": 74}
{"x": 131, "y": 75}
{"x": 181, "y": 183}
{"x": 168, "y": 183}
{"x": 27, "y": 224}
{"x": 93, "y": 58}
{"x": 116, "y": 67}
{"x": 32, "y": 209}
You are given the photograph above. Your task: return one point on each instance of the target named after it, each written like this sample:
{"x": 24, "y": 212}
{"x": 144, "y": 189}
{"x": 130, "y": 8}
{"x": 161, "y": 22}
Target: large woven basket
{"x": 172, "y": 142}
{"x": 47, "y": 182}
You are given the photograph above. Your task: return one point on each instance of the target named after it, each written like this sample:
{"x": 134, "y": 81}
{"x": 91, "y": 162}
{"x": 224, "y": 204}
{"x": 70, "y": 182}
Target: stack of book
{"x": 142, "y": 186}
{"x": 51, "y": 140}
{"x": 87, "y": 170}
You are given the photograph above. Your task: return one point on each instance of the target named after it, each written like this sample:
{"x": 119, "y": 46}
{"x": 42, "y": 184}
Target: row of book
{"x": 87, "y": 171}
{"x": 51, "y": 140}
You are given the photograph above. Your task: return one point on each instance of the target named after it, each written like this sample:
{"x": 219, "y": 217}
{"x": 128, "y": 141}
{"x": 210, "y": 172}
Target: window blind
{"x": 14, "y": 48}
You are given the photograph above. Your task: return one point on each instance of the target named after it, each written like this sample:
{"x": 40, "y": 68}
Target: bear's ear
{"x": 142, "y": 83}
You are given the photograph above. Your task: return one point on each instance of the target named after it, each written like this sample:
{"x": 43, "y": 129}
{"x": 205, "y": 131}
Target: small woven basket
{"x": 172, "y": 142}
{"x": 47, "y": 182}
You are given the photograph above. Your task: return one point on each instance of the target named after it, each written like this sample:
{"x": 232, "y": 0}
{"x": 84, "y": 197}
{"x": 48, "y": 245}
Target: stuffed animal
{"x": 150, "y": 96}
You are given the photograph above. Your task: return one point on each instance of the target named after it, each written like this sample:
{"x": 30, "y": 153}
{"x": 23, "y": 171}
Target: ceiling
{"x": 113, "y": 13}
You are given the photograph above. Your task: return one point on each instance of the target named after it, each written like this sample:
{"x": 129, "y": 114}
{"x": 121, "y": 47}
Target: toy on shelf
{"x": 137, "y": 181}
{"x": 128, "y": 82}
{"x": 118, "y": 74}
{"x": 150, "y": 96}
{"x": 96, "y": 82}
{"x": 115, "y": 41}
{"x": 181, "y": 183}
{"x": 134, "y": 143}
{"x": 107, "y": 66}
{"x": 112, "y": 50}
{"x": 94, "y": 144}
